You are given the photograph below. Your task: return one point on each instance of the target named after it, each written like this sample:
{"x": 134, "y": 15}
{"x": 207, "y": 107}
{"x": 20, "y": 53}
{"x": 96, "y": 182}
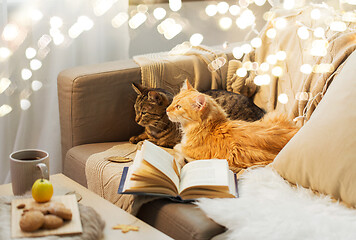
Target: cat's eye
{"x": 178, "y": 107}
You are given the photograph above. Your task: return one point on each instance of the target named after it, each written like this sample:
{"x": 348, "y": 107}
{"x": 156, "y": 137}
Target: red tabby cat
{"x": 208, "y": 133}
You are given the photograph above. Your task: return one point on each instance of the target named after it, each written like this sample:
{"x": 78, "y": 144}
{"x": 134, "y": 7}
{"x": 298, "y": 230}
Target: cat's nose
{"x": 137, "y": 119}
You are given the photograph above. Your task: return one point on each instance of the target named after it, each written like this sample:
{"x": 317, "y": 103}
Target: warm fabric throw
{"x": 205, "y": 67}
{"x": 270, "y": 208}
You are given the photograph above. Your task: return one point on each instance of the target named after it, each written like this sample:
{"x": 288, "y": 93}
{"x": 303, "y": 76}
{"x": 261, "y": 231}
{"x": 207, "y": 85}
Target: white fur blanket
{"x": 270, "y": 208}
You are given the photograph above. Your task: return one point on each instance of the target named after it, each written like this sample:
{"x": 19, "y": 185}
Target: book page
{"x": 160, "y": 159}
{"x": 213, "y": 172}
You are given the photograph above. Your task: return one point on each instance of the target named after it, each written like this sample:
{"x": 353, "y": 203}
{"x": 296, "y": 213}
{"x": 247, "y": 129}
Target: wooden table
{"x": 111, "y": 214}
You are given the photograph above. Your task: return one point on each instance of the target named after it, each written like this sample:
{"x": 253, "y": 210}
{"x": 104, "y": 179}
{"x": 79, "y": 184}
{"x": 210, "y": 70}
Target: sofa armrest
{"x": 96, "y": 103}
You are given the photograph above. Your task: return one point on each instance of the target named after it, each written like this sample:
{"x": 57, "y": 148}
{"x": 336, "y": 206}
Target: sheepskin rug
{"x": 270, "y": 208}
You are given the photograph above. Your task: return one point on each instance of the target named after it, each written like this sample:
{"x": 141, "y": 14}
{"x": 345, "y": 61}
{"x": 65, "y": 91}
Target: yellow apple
{"x": 42, "y": 190}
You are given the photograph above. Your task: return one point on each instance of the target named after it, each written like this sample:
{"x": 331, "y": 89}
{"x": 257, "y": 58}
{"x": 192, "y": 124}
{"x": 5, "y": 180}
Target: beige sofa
{"x": 96, "y": 113}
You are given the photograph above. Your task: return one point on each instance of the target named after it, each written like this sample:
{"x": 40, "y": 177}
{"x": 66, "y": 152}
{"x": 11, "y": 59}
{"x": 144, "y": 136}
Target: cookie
{"x": 21, "y": 206}
{"x": 61, "y": 212}
{"x": 52, "y": 222}
{"x": 31, "y": 221}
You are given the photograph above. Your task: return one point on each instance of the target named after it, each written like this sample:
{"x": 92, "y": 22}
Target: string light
{"x": 237, "y": 52}
{"x": 169, "y": 28}
{"x": 10, "y": 32}
{"x": 244, "y": 3}
{"x": 35, "y": 64}
{"x": 36, "y": 85}
{"x": 196, "y": 39}
{"x": 4, "y": 84}
{"x": 256, "y": 42}
{"x": 30, "y": 53}
{"x": 315, "y": 14}
{"x": 247, "y": 65}
{"x": 288, "y": 4}
{"x": 211, "y": 10}
{"x": 142, "y": 8}
{"x": 5, "y": 109}
{"x": 85, "y": 23}
{"x": 319, "y": 32}
{"x": 25, "y": 104}
{"x": 246, "y": 48}
{"x": 283, "y": 98}
{"x": 137, "y": 20}
{"x": 271, "y": 59}
{"x": 264, "y": 67}
{"x": 261, "y": 80}
{"x": 319, "y": 48}
{"x": 234, "y": 10}
{"x": 246, "y": 19}
{"x": 338, "y": 26}
{"x": 223, "y": 7}
{"x": 260, "y": 2}
{"x": 159, "y": 13}
{"x": 121, "y": 18}
{"x": 241, "y": 72}
{"x": 281, "y": 55}
{"x": 101, "y": 7}
{"x": 175, "y": 5}
{"x": 349, "y": 17}
{"x": 303, "y": 96}
{"x": 306, "y": 68}
{"x": 36, "y": 15}
{"x": 280, "y": 23}
{"x": 303, "y": 33}
{"x": 277, "y": 71}
{"x": 44, "y": 41}
{"x": 56, "y": 22}
{"x": 271, "y": 33}
{"x": 26, "y": 74}
{"x": 225, "y": 23}
{"x": 5, "y": 53}
{"x": 268, "y": 16}
{"x": 216, "y": 64}
{"x": 323, "y": 68}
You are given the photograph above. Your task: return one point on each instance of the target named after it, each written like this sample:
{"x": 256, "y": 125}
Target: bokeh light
{"x": 196, "y": 39}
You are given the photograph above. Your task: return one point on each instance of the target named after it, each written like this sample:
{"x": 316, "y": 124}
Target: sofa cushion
{"x": 76, "y": 157}
{"x": 321, "y": 156}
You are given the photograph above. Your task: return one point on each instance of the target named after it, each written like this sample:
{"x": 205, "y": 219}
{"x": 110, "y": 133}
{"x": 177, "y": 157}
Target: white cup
{"x": 26, "y": 166}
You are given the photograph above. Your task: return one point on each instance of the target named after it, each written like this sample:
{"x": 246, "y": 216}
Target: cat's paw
{"x": 134, "y": 139}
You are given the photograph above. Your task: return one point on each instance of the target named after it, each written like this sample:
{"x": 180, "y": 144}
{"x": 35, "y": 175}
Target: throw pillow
{"x": 322, "y": 155}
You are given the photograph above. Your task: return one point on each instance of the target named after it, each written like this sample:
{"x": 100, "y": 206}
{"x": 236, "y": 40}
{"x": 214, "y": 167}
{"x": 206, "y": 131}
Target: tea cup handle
{"x": 44, "y": 170}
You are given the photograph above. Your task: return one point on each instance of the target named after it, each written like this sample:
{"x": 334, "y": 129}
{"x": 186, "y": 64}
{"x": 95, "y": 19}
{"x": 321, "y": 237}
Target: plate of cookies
{"x": 59, "y": 216}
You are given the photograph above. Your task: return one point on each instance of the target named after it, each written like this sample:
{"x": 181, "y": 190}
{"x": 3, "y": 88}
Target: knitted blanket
{"x": 204, "y": 67}
{"x": 103, "y": 177}
{"x": 304, "y": 91}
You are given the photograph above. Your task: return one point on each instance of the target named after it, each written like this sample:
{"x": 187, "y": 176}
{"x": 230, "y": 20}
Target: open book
{"x": 155, "y": 172}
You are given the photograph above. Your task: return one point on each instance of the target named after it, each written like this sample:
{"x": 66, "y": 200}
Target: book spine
{"x": 123, "y": 178}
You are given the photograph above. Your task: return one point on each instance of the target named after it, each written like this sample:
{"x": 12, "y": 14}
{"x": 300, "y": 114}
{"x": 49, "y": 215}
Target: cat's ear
{"x": 138, "y": 88}
{"x": 155, "y": 96}
{"x": 200, "y": 102}
{"x": 186, "y": 85}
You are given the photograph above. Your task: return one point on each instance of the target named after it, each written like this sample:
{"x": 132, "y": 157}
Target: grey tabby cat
{"x": 151, "y": 105}
{"x": 150, "y": 108}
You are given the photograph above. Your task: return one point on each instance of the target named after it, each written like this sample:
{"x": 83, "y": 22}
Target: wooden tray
{"x": 70, "y": 227}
